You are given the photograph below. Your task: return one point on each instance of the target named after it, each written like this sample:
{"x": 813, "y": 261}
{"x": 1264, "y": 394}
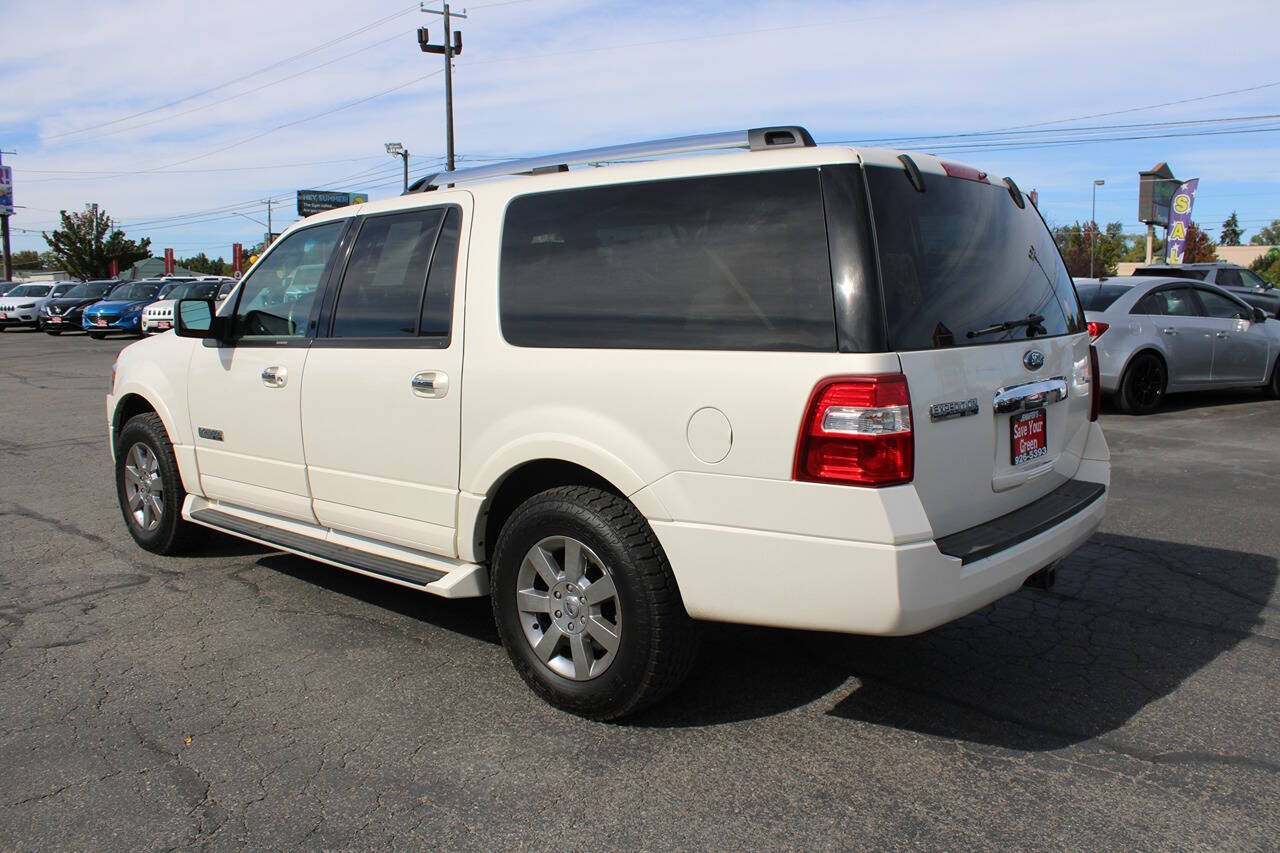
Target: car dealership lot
{"x": 242, "y": 695}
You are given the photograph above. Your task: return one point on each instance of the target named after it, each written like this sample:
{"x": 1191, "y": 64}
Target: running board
{"x": 452, "y": 580}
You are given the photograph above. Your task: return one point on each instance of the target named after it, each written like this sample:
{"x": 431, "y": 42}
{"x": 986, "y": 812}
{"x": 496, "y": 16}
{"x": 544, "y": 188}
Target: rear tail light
{"x": 1096, "y": 329}
{"x": 1095, "y": 382}
{"x": 857, "y": 431}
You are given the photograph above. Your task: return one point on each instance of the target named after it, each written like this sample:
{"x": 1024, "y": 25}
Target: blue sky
{"x": 179, "y": 117}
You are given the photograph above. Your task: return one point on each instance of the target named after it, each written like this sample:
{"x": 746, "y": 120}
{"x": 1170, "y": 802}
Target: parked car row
{"x": 1160, "y": 335}
{"x": 104, "y": 306}
{"x": 1241, "y": 281}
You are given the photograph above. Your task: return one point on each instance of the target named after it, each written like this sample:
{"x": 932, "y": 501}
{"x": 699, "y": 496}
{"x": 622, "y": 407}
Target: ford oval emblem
{"x": 1034, "y": 359}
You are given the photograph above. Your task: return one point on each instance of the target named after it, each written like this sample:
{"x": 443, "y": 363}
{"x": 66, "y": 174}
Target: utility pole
{"x": 266, "y": 243}
{"x": 451, "y": 47}
{"x": 5, "y": 212}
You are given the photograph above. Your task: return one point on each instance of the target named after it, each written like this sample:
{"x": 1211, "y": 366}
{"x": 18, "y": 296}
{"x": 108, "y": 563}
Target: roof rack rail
{"x": 753, "y": 139}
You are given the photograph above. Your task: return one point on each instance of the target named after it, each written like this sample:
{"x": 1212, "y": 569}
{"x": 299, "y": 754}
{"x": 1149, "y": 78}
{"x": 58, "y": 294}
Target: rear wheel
{"x": 149, "y": 488}
{"x": 1143, "y": 386}
{"x": 1273, "y": 387}
{"x": 586, "y": 604}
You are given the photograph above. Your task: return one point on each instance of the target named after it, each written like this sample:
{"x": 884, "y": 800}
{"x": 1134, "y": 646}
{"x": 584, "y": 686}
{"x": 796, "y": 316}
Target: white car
{"x": 158, "y": 316}
{"x": 21, "y": 305}
{"x": 809, "y": 387}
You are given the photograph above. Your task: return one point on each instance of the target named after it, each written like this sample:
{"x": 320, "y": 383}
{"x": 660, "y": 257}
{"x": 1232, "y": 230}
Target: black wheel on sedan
{"x": 1273, "y": 387}
{"x": 149, "y": 487}
{"x": 1143, "y": 386}
{"x": 587, "y": 606}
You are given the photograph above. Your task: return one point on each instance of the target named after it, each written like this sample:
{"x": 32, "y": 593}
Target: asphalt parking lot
{"x": 242, "y": 696}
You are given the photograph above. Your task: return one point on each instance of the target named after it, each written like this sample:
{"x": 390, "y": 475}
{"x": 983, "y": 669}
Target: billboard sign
{"x": 1180, "y": 219}
{"x": 6, "y": 190}
{"x": 1155, "y": 192}
{"x": 317, "y": 201}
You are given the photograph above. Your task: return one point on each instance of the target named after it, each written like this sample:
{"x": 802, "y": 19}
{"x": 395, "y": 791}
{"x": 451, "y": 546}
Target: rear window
{"x": 1173, "y": 272}
{"x": 962, "y": 257}
{"x": 725, "y": 262}
{"x": 1100, "y": 296}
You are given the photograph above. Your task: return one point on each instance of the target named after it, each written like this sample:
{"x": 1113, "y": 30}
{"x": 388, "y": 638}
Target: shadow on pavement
{"x": 1129, "y": 620}
{"x": 471, "y": 617}
{"x": 1195, "y": 400}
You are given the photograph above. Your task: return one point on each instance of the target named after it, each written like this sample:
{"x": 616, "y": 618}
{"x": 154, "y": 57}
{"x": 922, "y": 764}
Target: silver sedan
{"x": 1158, "y": 336}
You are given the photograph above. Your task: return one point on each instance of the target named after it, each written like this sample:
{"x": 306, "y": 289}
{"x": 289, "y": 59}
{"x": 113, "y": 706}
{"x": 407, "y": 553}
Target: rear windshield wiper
{"x": 1034, "y": 321}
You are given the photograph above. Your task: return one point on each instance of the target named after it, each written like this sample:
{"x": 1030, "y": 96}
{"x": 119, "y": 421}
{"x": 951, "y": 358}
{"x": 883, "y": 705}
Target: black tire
{"x": 51, "y": 331}
{"x": 170, "y": 534}
{"x": 1273, "y": 387}
{"x": 97, "y": 336}
{"x": 1143, "y": 385}
{"x": 657, "y": 639}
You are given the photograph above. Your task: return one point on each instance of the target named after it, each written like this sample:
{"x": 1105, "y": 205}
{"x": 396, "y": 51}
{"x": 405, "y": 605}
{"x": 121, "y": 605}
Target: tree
{"x": 1268, "y": 236}
{"x": 1109, "y": 247}
{"x": 87, "y": 242}
{"x": 1199, "y": 248}
{"x": 203, "y": 265}
{"x": 1268, "y": 266}
{"x": 1138, "y": 249}
{"x": 27, "y": 259}
{"x": 1231, "y": 231}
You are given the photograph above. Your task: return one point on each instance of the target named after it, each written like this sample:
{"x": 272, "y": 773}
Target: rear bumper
{"x": 789, "y": 581}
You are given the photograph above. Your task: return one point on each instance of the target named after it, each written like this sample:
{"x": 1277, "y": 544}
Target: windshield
{"x": 30, "y": 290}
{"x": 87, "y": 291}
{"x": 192, "y": 290}
{"x": 960, "y": 259}
{"x": 133, "y": 292}
{"x": 1098, "y": 297}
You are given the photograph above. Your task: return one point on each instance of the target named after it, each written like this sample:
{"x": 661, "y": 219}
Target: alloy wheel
{"x": 569, "y": 608}
{"x": 144, "y": 489}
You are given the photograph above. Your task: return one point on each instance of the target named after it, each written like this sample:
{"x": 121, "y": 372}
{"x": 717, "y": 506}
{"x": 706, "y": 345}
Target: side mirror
{"x": 197, "y": 318}
{"x": 1259, "y": 316}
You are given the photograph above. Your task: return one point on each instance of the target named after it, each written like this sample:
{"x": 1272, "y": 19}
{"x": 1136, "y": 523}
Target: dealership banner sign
{"x": 1180, "y": 219}
{"x": 6, "y": 190}
{"x": 318, "y": 201}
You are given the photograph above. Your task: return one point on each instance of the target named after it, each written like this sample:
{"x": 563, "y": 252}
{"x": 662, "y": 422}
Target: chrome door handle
{"x": 1221, "y": 335}
{"x": 1029, "y": 395}
{"x": 1170, "y": 331}
{"x": 275, "y": 377}
{"x": 430, "y": 383}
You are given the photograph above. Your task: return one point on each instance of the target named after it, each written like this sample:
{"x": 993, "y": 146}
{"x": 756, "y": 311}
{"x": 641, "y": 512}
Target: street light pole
{"x": 1093, "y": 222}
{"x": 395, "y": 149}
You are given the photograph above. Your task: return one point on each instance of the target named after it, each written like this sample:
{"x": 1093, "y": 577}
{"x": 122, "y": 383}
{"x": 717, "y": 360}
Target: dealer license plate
{"x": 55, "y": 319}
{"x": 3, "y": 316}
{"x": 1028, "y": 436}
{"x": 163, "y": 324}
{"x": 101, "y": 322}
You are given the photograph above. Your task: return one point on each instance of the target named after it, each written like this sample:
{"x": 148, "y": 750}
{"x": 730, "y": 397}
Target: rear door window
{"x": 1178, "y": 302}
{"x": 382, "y": 291}
{"x": 735, "y": 262}
{"x": 962, "y": 257}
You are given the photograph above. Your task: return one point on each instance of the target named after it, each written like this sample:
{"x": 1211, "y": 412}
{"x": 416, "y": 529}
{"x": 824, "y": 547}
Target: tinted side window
{"x": 723, "y": 262}
{"x": 1217, "y": 305}
{"x": 381, "y": 292}
{"x": 1151, "y": 304}
{"x": 276, "y": 299}
{"x": 1228, "y": 278}
{"x": 437, "y": 305}
{"x": 1178, "y": 302}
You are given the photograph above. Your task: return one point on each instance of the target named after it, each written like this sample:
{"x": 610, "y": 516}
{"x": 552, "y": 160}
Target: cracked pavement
{"x": 242, "y": 697}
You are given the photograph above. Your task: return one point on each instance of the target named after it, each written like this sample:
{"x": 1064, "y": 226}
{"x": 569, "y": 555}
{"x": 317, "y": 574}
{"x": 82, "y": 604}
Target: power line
{"x": 243, "y": 77}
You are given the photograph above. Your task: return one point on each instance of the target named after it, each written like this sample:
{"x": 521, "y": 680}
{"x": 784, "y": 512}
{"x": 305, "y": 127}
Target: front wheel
{"x": 1143, "y": 386}
{"x": 149, "y": 487}
{"x": 49, "y": 330}
{"x": 586, "y": 604}
{"x": 1273, "y": 387}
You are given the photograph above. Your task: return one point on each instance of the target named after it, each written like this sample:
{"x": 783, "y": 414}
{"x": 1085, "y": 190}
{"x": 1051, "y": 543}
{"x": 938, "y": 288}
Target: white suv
{"x": 812, "y": 387}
